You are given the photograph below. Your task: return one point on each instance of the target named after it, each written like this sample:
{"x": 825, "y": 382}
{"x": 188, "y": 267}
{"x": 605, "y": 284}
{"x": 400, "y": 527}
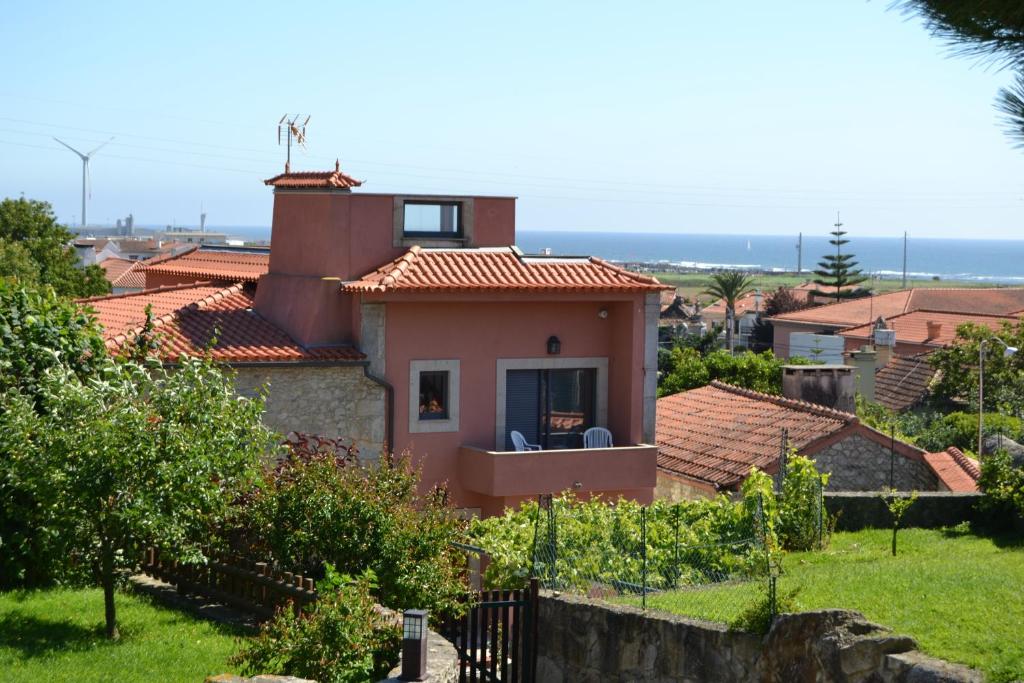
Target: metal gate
{"x": 496, "y": 639}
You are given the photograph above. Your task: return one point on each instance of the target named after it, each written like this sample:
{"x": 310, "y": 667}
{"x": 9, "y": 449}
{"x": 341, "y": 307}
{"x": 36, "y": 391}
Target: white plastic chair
{"x": 597, "y": 437}
{"x": 520, "y": 444}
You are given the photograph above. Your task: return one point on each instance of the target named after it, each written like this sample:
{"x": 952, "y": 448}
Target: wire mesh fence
{"x": 657, "y": 557}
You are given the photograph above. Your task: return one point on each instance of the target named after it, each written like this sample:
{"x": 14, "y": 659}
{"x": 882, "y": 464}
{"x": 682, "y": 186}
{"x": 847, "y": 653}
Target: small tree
{"x": 730, "y": 286}
{"x": 957, "y": 379}
{"x": 898, "y": 506}
{"x": 838, "y": 271}
{"x": 134, "y": 455}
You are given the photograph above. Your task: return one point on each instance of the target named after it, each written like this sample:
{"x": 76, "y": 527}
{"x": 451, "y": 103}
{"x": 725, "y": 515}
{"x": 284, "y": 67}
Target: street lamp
{"x": 1007, "y": 352}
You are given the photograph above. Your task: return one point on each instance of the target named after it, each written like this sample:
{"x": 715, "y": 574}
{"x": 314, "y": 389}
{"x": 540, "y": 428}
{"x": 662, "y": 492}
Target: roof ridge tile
{"x": 797, "y": 404}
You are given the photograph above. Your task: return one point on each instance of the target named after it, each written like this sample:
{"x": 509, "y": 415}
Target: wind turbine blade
{"x": 70, "y": 147}
{"x": 100, "y": 147}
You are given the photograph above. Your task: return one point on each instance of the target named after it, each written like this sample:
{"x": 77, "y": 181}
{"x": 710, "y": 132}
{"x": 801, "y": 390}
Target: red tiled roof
{"x": 978, "y": 300}
{"x": 904, "y": 382}
{"x": 718, "y": 432}
{"x": 335, "y": 179}
{"x": 745, "y": 303}
{"x": 210, "y": 264}
{"x": 955, "y": 470}
{"x": 187, "y": 317}
{"x": 504, "y": 268}
{"x": 912, "y": 328}
{"x": 123, "y": 273}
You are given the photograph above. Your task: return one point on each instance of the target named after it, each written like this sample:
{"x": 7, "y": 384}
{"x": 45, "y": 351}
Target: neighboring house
{"x": 678, "y": 319}
{"x": 903, "y": 382}
{"x": 832, "y": 318}
{"x": 956, "y": 472}
{"x": 923, "y": 331}
{"x": 709, "y": 439}
{"x": 123, "y": 275}
{"x": 412, "y": 323}
{"x": 220, "y": 263}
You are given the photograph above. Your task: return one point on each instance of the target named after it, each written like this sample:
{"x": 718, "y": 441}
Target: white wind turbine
{"x": 86, "y": 186}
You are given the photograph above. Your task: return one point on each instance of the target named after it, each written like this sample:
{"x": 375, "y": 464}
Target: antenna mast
{"x": 292, "y": 130}
{"x": 799, "y": 252}
{"x": 904, "y": 259}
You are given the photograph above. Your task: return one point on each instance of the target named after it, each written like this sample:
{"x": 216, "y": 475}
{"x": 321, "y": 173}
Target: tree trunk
{"x": 894, "y": 528}
{"x": 107, "y": 580}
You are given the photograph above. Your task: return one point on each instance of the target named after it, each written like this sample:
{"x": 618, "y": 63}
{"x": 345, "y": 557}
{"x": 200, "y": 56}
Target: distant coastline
{"x": 974, "y": 260}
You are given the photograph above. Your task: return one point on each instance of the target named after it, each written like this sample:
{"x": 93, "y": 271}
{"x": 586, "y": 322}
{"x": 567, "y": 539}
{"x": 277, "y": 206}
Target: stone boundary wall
{"x": 584, "y": 640}
{"x": 860, "y": 510}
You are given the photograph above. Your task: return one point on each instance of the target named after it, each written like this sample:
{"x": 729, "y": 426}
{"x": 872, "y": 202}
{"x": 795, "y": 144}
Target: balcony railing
{"x": 527, "y": 473}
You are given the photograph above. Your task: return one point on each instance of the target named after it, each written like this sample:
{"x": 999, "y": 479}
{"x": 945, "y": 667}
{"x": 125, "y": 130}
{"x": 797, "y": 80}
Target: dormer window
{"x": 439, "y": 219}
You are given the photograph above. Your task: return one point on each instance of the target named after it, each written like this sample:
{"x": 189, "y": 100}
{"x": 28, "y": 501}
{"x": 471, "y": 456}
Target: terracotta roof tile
{"x": 335, "y": 179}
{"x": 211, "y": 264}
{"x": 433, "y": 270}
{"x": 743, "y": 304}
{"x": 187, "y": 317}
{"x": 955, "y": 470}
{"x": 912, "y": 328}
{"x": 985, "y": 301}
{"x": 718, "y": 432}
{"x": 904, "y": 382}
{"x": 123, "y": 273}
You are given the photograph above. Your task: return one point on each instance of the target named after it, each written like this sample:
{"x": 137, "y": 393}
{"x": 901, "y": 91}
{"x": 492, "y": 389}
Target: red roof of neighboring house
{"x": 123, "y": 273}
{"x": 903, "y": 382}
{"x": 187, "y": 317}
{"x": 213, "y": 264}
{"x": 335, "y": 179}
{"x": 912, "y": 328}
{"x": 955, "y": 470}
{"x": 745, "y": 303}
{"x": 498, "y": 268}
{"x": 984, "y": 301}
{"x": 718, "y": 432}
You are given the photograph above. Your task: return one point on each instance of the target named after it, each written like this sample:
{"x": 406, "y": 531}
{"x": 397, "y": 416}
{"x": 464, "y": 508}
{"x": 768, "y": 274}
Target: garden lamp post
{"x": 1007, "y": 352}
{"x": 414, "y": 645}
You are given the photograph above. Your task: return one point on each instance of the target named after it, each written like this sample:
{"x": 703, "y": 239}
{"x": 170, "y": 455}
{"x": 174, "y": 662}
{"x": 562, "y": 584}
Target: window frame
{"x": 418, "y": 425}
{"x": 460, "y": 210}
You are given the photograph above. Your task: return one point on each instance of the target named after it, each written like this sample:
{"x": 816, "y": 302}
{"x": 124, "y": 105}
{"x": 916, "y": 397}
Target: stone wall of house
{"x": 328, "y": 400}
{"x": 856, "y": 510}
{"x": 859, "y": 464}
{"x": 676, "y": 489}
{"x": 584, "y": 640}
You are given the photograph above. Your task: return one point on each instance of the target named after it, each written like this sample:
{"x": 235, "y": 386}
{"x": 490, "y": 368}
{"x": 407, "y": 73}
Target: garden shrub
{"x": 801, "y": 519}
{"x": 1003, "y": 484}
{"x": 340, "y": 638}
{"x": 311, "y": 512}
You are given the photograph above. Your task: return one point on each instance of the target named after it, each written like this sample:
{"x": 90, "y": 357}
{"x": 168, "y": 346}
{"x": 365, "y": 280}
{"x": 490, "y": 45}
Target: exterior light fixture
{"x": 1007, "y": 352}
{"x": 603, "y": 313}
{"x": 414, "y": 645}
{"x": 554, "y": 346}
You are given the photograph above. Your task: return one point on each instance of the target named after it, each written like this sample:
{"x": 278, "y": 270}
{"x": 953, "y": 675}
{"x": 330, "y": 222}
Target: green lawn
{"x": 57, "y": 635}
{"x": 694, "y": 284}
{"x": 959, "y": 595}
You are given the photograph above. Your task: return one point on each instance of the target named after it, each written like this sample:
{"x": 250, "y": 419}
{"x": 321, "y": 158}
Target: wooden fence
{"x": 254, "y": 587}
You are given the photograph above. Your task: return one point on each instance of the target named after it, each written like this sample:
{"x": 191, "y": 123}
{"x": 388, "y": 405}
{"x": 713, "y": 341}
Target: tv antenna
{"x": 86, "y": 179}
{"x": 292, "y": 130}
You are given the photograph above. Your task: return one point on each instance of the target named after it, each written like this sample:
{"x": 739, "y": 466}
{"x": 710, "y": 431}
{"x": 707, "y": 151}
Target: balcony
{"x": 504, "y": 474}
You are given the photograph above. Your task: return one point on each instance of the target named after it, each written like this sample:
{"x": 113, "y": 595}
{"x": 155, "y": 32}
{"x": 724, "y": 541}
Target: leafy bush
{"x": 801, "y": 520}
{"x": 757, "y": 618}
{"x": 313, "y": 512}
{"x": 342, "y": 638}
{"x": 1003, "y": 484}
{"x": 687, "y": 368}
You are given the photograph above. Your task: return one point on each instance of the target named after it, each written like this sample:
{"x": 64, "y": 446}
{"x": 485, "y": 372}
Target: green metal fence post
{"x": 553, "y": 538}
{"x": 643, "y": 550}
{"x": 675, "y": 563}
{"x": 821, "y": 511}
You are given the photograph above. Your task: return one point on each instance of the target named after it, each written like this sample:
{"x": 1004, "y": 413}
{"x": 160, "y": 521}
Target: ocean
{"x": 996, "y": 261}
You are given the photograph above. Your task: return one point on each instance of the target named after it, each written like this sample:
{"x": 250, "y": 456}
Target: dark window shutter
{"x": 522, "y": 405}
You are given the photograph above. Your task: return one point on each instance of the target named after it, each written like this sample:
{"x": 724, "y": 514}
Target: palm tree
{"x": 730, "y": 287}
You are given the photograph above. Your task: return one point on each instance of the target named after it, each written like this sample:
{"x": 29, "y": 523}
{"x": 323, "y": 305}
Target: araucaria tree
{"x": 730, "y": 287}
{"x": 131, "y": 455}
{"x": 838, "y": 272}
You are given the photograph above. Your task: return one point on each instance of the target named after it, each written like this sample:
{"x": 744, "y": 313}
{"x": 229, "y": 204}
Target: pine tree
{"x": 839, "y": 270}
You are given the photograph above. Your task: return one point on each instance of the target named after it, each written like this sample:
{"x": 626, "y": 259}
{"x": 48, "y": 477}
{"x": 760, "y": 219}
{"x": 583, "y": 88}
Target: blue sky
{"x": 743, "y": 117}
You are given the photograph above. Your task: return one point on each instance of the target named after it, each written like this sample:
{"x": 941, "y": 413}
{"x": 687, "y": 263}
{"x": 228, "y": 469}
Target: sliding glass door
{"x": 551, "y": 408}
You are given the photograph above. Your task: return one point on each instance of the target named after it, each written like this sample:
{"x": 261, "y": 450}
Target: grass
{"x": 961, "y": 596}
{"x": 694, "y": 284}
{"x": 57, "y": 635}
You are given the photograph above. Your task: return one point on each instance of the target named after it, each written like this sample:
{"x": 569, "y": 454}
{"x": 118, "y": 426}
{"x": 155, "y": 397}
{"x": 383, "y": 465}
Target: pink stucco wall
{"x": 478, "y": 334}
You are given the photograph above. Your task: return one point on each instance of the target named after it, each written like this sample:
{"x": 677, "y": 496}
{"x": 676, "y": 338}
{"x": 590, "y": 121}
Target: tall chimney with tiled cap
{"x": 934, "y": 329}
{"x": 831, "y": 386}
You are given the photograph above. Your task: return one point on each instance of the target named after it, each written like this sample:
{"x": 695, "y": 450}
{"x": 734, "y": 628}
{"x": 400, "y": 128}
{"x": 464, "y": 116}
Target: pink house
{"x": 469, "y": 338}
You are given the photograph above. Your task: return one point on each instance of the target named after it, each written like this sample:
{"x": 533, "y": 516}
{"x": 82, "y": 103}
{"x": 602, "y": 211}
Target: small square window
{"x": 442, "y": 219}
{"x": 434, "y": 395}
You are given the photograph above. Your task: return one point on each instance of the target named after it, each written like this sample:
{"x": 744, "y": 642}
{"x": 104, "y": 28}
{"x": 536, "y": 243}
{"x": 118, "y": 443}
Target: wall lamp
{"x": 554, "y": 346}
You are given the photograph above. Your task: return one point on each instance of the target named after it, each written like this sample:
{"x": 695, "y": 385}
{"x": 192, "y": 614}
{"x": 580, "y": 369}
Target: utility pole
{"x": 799, "y": 252}
{"x": 904, "y": 259}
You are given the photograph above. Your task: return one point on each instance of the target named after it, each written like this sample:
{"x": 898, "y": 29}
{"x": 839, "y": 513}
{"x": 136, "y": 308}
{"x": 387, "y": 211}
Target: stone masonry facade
{"x": 326, "y": 400}
{"x": 860, "y": 464}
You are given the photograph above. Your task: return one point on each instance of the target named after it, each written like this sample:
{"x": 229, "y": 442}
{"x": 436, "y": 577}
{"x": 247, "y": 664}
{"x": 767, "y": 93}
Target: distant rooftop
{"x": 336, "y": 179}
